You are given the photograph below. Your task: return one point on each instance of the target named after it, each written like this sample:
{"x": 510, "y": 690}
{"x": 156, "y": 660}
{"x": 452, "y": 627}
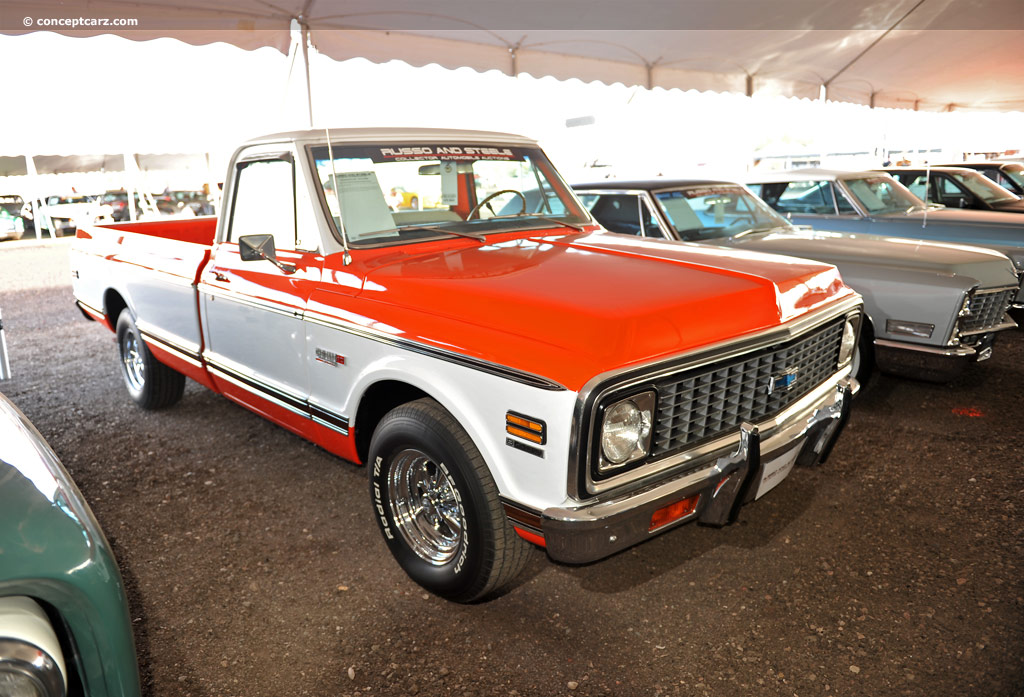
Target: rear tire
{"x": 437, "y": 505}
{"x": 150, "y": 383}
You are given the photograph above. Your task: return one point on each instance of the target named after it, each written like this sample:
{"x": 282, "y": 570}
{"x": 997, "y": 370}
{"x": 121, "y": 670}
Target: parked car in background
{"x": 401, "y": 200}
{"x": 176, "y": 202}
{"x": 875, "y": 203}
{"x": 1009, "y": 175}
{"x": 118, "y": 202}
{"x": 507, "y": 379}
{"x": 12, "y": 220}
{"x": 64, "y": 622}
{"x": 931, "y": 308}
{"x": 69, "y": 212}
{"x": 957, "y": 187}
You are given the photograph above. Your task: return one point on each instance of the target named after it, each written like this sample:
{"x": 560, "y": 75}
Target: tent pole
{"x": 129, "y": 188}
{"x": 828, "y": 82}
{"x": 305, "y": 64}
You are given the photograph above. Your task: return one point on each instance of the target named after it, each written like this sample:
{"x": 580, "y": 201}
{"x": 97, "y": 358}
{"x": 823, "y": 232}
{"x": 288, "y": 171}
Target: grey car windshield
{"x": 982, "y": 187}
{"x": 707, "y": 212}
{"x": 1014, "y": 172}
{"x": 882, "y": 195}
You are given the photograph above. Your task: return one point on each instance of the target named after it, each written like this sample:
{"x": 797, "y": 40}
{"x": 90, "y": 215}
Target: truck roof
{"x": 394, "y": 135}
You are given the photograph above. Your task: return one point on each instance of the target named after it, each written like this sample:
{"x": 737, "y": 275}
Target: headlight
{"x": 848, "y": 344}
{"x": 26, "y": 669}
{"x": 626, "y": 431}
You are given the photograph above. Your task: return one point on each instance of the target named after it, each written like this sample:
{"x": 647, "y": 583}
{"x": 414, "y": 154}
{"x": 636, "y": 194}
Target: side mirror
{"x": 259, "y": 247}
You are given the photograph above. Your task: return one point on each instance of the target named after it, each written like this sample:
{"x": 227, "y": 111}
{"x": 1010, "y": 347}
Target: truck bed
{"x": 150, "y": 267}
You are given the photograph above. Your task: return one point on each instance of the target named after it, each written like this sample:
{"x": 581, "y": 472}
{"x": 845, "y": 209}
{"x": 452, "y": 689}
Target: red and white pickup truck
{"x": 507, "y": 370}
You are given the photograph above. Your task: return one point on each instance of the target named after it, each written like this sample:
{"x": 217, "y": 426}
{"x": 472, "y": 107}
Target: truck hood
{"x": 852, "y": 251}
{"x": 568, "y": 307}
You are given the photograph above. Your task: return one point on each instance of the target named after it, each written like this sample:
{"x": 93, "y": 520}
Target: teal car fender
{"x": 53, "y": 552}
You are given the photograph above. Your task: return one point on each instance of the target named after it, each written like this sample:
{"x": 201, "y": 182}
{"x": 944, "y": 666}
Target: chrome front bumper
{"x": 724, "y": 481}
{"x": 933, "y": 363}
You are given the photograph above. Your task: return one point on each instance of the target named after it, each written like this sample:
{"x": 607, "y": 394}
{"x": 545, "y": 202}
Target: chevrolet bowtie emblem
{"x": 783, "y": 382}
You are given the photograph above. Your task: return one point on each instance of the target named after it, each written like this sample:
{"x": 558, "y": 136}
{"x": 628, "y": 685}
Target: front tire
{"x": 150, "y": 383}
{"x": 864, "y": 356}
{"x": 437, "y": 505}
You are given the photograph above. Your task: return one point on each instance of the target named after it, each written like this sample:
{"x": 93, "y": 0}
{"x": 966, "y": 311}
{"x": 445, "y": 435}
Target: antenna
{"x": 347, "y": 259}
{"x": 927, "y": 189}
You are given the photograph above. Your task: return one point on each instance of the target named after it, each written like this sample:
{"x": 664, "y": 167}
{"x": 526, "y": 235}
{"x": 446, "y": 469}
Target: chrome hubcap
{"x": 131, "y": 360}
{"x": 425, "y": 507}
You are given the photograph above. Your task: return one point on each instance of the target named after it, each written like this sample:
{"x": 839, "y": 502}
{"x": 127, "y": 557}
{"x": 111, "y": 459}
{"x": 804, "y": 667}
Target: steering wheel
{"x": 496, "y": 194}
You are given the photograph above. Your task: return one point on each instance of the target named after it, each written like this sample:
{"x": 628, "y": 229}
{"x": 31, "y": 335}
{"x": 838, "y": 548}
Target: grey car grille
{"x": 709, "y": 401}
{"x": 987, "y": 309}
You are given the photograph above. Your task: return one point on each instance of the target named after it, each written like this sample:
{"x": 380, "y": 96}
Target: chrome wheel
{"x": 425, "y": 506}
{"x": 132, "y": 361}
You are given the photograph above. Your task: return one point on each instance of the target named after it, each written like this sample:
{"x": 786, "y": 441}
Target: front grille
{"x": 987, "y": 309}
{"x": 703, "y": 403}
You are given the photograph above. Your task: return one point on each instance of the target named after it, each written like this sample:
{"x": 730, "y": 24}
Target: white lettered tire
{"x": 437, "y": 505}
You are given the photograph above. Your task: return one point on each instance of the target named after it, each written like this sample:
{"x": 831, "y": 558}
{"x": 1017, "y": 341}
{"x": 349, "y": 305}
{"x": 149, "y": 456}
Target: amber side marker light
{"x": 673, "y": 512}
{"x": 526, "y": 428}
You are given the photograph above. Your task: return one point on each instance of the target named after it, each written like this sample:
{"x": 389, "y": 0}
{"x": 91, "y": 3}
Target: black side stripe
{"x": 180, "y": 352}
{"x": 440, "y": 354}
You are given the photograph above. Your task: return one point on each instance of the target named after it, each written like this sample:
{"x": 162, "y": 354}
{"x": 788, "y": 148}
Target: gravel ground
{"x": 254, "y": 567}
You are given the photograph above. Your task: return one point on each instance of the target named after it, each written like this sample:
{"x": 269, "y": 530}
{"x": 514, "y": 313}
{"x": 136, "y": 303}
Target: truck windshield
{"x": 706, "y": 212}
{"x": 406, "y": 192}
{"x": 883, "y": 195}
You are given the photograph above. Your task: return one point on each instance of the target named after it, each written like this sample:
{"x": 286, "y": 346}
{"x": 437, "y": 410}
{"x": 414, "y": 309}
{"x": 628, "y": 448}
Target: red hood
{"x": 568, "y": 307}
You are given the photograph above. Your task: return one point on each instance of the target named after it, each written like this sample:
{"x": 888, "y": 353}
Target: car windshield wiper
{"x": 435, "y": 228}
{"x": 555, "y": 221}
{"x": 752, "y": 230}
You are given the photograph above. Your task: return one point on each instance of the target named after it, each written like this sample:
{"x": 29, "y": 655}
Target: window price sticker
{"x": 449, "y": 183}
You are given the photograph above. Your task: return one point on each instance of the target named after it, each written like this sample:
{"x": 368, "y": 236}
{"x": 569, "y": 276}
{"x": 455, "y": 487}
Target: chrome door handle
{"x": 218, "y": 276}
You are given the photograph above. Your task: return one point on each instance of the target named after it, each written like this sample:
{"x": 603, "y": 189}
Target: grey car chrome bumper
{"x": 730, "y": 478}
{"x": 931, "y": 363}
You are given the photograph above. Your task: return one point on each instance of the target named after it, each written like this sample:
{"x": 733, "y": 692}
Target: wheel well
{"x": 113, "y": 304}
{"x": 377, "y": 401}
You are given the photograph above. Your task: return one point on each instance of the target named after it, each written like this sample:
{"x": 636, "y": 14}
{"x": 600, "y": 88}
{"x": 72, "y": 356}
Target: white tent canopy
{"x": 917, "y": 54}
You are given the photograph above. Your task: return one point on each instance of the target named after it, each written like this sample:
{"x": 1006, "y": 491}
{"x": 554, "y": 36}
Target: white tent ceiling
{"x": 924, "y": 54}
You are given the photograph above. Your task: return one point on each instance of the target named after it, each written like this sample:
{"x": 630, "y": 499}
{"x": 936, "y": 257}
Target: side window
{"x": 948, "y": 187}
{"x": 843, "y": 203}
{"x": 618, "y": 213}
{"x": 265, "y": 202}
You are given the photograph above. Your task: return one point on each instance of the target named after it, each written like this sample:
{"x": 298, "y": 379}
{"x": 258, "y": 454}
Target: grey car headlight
{"x": 626, "y": 431}
{"x": 848, "y": 344}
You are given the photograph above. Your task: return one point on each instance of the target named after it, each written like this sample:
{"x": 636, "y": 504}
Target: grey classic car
{"x": 957, "y": 187}
{"x": 932, "y": 307}
{"x": 876, "y": 203}
{"x": 1009, "y": 175}
{"x": 64, "y": 622}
